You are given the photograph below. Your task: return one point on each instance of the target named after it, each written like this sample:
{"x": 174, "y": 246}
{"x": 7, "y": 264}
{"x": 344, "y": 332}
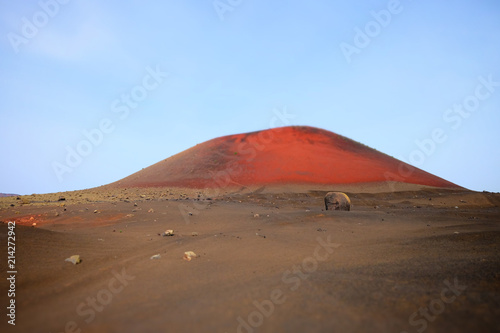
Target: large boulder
{"x": 337, "y": 201}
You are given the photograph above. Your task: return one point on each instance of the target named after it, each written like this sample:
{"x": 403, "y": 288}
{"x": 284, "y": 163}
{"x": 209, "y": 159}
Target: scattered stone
{"x": 75, "y": 259}
{"x": 168, "y": 232}
{"x": 256, "y": 216}
{"x": 190, "y": 214}
{"x": 34, "y": 224}
{"x": 151, "y": 210}
{"x": 96, "y": 211}
{"x": 456, "y": 232}
{"x": 337, "y": 201}
{"x": 463, "y": 201}
{"x": 456, "y": 207}
{"x": 61, "y": 199}
{"x": 257, "y": 234}
{"x": 189, "y": 255}
{"x": 156, "y": 256}
{"x": 194, "y": 234}
{"x": 321, "y": 230}
{"x": 56, "y": 214}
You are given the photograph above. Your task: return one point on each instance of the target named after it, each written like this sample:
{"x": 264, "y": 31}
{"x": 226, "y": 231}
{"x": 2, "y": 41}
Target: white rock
{"x": 189, "y": 255}
{"x": 75, "y": 259}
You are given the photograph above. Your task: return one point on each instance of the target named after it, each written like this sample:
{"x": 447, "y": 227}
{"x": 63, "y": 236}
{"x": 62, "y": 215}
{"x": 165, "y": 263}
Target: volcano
{"x": 279, "y": 156}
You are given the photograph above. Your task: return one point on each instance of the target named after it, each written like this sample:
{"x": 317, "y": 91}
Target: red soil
{"x": 287, "y": 155}
{"x": 28, "y": 220}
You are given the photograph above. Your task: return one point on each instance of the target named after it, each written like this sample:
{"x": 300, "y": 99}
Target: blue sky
{"x": 418, "y": 80}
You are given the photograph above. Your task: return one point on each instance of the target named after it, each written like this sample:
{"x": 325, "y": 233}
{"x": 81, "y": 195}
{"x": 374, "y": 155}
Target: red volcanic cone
{"x": 286, "y": 155}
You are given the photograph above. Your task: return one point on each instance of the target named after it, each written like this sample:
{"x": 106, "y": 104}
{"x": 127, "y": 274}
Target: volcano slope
{"x": 286, "y": 155}
{"x": 419, "y": 258}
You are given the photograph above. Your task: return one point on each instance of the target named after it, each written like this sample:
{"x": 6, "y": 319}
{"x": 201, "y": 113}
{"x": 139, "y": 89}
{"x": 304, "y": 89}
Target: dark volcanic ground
{"x": 398, "y": 262}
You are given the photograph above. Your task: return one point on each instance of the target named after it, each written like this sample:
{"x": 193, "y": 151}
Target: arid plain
{"x": 408, "y": 257}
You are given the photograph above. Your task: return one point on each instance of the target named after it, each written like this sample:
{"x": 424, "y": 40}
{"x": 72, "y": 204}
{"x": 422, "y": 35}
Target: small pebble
{"x": 189, "y": 255}
{"x": 75, "y": 259}
{"x": 168, "y": 233}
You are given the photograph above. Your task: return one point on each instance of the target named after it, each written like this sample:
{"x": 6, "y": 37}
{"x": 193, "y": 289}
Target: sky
{"x": 93, "y": 91}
